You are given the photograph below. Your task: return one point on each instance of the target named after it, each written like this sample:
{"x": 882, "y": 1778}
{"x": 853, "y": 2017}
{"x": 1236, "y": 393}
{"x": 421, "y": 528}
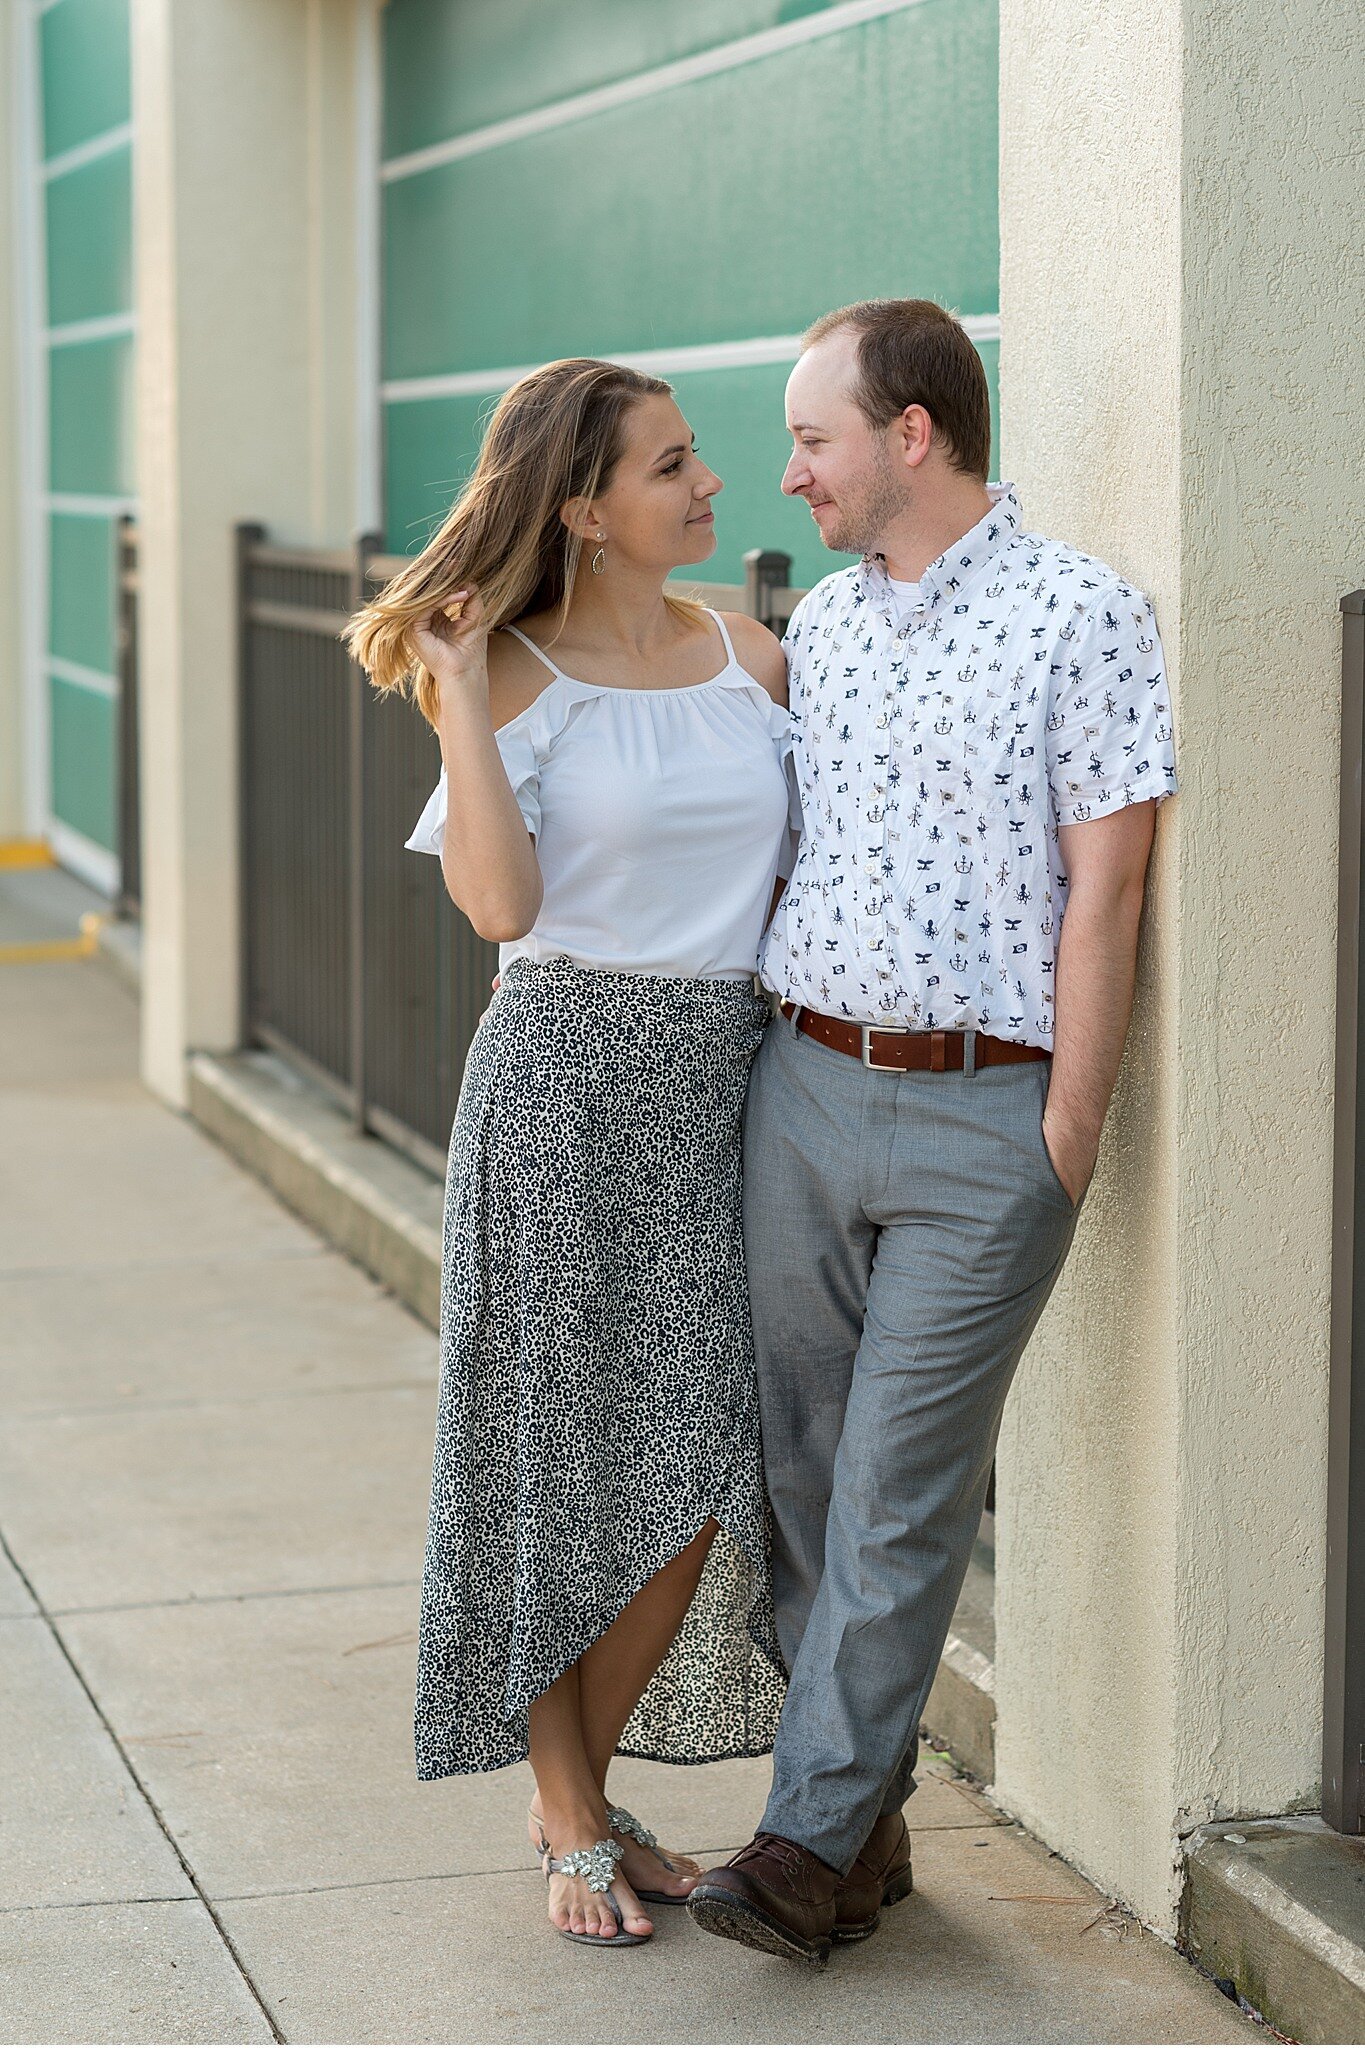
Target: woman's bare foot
{"x": 647, "y": 1868}
{"x": 573, "y": 1907}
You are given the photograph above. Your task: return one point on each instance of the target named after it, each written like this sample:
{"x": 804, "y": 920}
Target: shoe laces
{"x": 793, "y": 1859}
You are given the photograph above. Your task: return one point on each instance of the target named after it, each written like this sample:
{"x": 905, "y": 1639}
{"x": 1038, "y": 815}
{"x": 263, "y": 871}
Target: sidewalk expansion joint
{"x": 99, "y": 1905}
{"x": 133, "y": 1405}
{"x": 191, "y": 1877}
{"x": 227, "y": 1599}
{"x": 319, "y": 1250}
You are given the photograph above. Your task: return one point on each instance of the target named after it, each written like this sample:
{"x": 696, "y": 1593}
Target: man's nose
{"x": 796, "y": 475}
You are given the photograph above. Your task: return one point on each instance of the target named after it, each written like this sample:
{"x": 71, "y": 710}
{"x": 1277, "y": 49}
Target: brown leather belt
{"x": 904, "y": 1052}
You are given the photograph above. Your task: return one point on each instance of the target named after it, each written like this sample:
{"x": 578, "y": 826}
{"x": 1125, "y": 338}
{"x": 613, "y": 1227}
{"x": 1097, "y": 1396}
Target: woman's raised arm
{"x": 487, "y": 856}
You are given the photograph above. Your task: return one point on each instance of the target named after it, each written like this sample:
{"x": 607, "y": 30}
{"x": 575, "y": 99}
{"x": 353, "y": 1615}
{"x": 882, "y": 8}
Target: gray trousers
{"x": 902, "y": 1234}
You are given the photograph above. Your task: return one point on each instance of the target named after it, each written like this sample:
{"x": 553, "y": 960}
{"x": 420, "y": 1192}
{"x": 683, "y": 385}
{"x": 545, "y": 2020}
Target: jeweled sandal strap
{"x": 597, "y": 1865}
{"x": 623, "y": 1823}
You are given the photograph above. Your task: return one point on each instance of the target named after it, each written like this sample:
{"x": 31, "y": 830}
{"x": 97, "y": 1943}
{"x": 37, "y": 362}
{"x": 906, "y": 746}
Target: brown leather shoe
{"x": 775, "y": 1896}
{"x": 880, "y": 1877}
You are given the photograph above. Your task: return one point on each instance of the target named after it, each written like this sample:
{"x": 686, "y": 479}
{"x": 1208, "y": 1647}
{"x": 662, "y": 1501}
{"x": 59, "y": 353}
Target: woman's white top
{"x": 662, "y": 819}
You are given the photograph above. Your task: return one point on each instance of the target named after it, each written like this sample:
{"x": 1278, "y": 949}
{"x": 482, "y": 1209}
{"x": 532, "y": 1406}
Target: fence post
{"x": 367, "y": 544}
{"x": 765, "y": 569}
{"x": 1343, "y": 1716}
{"x": 246, "y": 536}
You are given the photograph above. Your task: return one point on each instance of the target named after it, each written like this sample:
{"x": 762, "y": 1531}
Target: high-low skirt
{"x": 598, "y": 1403}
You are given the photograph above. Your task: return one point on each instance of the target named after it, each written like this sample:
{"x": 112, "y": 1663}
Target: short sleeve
{"x": 1110, "y": 734}
{"x": 523, "y": 772}
{"x": 791, "y": 838}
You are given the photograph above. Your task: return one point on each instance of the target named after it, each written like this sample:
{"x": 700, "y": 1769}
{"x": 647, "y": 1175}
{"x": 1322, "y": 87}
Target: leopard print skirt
{"x": 598, "y": 1403}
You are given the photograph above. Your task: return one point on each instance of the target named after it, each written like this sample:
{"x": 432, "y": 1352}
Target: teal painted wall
{"x": 724, "y": 208}
{"x": 83, "y": 60}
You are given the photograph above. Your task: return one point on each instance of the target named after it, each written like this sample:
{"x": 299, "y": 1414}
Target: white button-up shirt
{"x": 941, "y": 738}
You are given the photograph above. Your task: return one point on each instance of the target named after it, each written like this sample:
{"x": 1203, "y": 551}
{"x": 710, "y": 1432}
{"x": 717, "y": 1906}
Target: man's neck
{"x": 924, "y": 532}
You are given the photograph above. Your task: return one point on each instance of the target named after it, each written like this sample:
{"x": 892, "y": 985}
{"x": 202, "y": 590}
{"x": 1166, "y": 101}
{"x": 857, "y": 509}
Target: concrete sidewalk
{"x": 214, "y": 1451}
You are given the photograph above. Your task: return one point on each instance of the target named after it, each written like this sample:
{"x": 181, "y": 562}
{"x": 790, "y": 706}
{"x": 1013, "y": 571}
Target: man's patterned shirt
{"x": 941, "y": 739}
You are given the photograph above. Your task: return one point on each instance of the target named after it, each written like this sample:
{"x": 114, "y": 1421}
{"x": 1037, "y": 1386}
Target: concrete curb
{"x": 960, "y": 1712}
{"x": 360, "y": 1194}
{"x": 1277, "y": 1908}
{"x": 119, "y": 944}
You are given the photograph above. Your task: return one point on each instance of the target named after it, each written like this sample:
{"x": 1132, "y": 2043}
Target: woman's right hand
{"x": 453, "y": 642}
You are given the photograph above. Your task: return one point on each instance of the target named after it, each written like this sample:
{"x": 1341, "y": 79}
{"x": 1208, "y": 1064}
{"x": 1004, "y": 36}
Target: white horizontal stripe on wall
{"x": 644, "y": 85}
{"x": 659, "y": 362}
{"x": 84, "y": 678}
{"x": 101, "y": 329}
{"x": 87, "y": 152}
{"x": 81, "y": 505}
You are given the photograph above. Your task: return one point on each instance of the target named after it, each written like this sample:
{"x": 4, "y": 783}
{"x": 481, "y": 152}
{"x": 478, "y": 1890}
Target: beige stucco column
{"x": 20, "y": 587}
{"x": 1183, "y": 392}
{"x": 249, "y": 273}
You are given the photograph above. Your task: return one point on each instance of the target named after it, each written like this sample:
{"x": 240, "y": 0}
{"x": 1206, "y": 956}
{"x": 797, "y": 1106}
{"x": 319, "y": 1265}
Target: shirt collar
{"x": 947, "y": 577}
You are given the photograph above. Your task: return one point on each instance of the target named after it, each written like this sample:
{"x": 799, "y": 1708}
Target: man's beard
{"x": 862, "y": 523}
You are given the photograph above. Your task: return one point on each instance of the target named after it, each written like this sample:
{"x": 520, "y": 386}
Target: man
{"x": 983, "y": 737}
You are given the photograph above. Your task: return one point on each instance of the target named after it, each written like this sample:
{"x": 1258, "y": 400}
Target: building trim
{"x": 369, "y": 481}
{"x": 85, "y": 505}
{"x": 581, "y": 106}
{"x": 89, "y": 152}
{"x": 101, "y": 328}
{"x": 659, "y": 362}
{"x": 30, "y": 301}
{"x": 83, "y": 678}
{"x": 94, "y": 864}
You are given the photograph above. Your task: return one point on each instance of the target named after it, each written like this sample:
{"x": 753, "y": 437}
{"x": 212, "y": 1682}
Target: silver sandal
{"x": 622, "y": 1823}
{"x": 598, "y": 1866}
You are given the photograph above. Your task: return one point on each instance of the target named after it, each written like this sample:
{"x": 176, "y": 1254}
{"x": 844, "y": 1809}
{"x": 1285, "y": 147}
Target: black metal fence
{"x": 1343, "y": 1717}
{"x": 355, "y": 961}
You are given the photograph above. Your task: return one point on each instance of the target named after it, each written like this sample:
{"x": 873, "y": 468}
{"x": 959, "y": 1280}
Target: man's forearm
{"x": 1096, "y": 974}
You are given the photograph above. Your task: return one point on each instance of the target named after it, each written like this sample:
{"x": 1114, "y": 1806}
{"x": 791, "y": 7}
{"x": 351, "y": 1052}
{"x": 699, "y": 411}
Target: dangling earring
{"x": 599, "y": 560}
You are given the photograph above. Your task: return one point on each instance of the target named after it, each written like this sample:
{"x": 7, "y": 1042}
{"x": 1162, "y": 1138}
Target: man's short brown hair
{"x": 913, "y": 352}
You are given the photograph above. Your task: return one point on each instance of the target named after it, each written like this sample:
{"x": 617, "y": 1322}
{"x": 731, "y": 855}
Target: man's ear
{"x": 914, "y": 432}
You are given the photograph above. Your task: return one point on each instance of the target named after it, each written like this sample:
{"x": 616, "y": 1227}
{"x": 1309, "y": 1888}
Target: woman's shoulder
{"x": 517, "y": 679}
{"x": 759, "y": 652}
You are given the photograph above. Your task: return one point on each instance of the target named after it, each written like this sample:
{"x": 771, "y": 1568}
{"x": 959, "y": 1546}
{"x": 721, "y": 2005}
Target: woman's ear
{"x": 580, "y": 516}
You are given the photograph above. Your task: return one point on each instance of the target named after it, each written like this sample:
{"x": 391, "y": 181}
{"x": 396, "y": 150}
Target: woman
{"x": 614, "y": 807}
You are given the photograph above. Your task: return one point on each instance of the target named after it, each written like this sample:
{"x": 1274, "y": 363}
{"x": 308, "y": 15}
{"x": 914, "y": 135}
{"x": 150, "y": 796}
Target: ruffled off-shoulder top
{"x": 662, "y": 819}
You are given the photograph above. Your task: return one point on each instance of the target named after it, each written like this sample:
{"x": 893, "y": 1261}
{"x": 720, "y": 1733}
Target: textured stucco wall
{"x": 244, "y": 195}
{"x": 1182, "y": 215}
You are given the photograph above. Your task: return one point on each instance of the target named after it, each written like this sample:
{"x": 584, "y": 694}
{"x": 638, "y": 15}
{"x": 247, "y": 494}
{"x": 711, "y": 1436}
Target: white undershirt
{"x": 661, "y": 817}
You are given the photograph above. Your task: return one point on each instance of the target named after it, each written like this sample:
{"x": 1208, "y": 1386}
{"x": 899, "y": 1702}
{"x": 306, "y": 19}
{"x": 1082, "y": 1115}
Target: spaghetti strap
{"x": 539, "y": 652}
{"x": 729, "y": 649}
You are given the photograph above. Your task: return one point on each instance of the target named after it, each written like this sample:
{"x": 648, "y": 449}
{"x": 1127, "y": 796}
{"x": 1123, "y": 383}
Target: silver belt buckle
{"x": 888, "y": 1030}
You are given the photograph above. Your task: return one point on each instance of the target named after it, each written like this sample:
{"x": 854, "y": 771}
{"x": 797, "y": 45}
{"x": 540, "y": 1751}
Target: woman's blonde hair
{"x": 557, "y": 434}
